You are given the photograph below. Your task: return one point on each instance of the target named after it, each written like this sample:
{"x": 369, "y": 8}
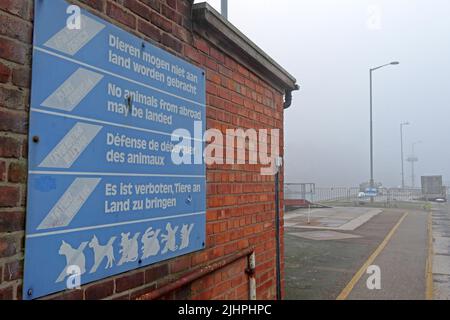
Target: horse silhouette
{"x": 74, "y": 257}
{"x": 102, "y": 251}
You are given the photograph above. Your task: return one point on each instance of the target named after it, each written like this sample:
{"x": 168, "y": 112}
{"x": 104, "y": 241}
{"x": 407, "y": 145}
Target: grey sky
{"x": 329, "y": 45}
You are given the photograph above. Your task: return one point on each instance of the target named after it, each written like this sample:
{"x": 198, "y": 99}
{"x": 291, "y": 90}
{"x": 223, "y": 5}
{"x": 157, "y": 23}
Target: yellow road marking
{"x": 429, "y": 269}
{"x": 344, "y": 294}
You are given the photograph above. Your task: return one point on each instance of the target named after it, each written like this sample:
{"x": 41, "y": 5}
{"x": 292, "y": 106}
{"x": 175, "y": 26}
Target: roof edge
{"x": 211, "y": 24}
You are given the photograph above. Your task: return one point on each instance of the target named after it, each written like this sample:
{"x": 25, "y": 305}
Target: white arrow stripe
{"x": 73, "y": 90}
{"x": 71, "y": 146}
{"x": 115, "y": 75}
{"x": 71, "y": 41}
{"x": 112, "y": 225}
{"x": 115, "y": 174}
{"x": 70, "y": 203}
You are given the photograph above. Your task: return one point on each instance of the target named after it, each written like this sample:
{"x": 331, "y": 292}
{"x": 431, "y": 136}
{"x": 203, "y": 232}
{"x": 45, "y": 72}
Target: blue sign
{"x": 105, "y": 194}
{"x": 371, "y": 192}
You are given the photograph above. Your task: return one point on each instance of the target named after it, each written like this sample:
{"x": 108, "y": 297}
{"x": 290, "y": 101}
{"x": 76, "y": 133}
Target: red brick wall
{"x": 241, "y": 210}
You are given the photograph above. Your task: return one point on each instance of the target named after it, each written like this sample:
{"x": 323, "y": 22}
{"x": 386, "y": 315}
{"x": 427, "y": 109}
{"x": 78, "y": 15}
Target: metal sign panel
{"x": 371, "y": 192}
{"x": 104, "y": 196}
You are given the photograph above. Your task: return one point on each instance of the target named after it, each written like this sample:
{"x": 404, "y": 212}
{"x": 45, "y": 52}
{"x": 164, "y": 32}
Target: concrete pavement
{"x": 441, "y": 251}
{"x": 321, "y": 266}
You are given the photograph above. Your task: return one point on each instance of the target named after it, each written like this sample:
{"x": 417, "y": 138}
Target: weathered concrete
{"x": 441, "y": 251}
{"x": 321, "y": 269}
{"x": 402, "y": 263}
{"x": 340, "y": 218}
{"x": 324, "y": 235}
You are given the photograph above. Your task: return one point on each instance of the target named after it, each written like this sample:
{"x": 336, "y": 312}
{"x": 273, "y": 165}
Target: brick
{"x": 171, "y": 42}
{"x": 12, "y": 221}
{"x": 6, "y": 293}
{"x": 9, "y": 147}
{"x": 25, "y": 148}
{"x": 161, "y": 22}
{"x": 181, "y": 34}
{"x": 9, "y": 196}
{"x": 13, "y": 51}
{"x": 17, "y": 172}
{"x": 69, "y": 295}
{"x": 13, "y": 271}
{"x": 2, "y": 170}
{"x": 11, "y": 98}
{"x": 183, "y": 293}
{"x": 128, "y": 282}
{"x": 201, "y": 45}
{"x": 149, "y": 30}
{"x": 98, "y": 5}
{"x": 192, "y": 54}
{"x": 13, "y": 122}
{"x": 172, "y": 4}
{"x": 117, "y": 13}
{"x": 217, "y": 55}
{"x": 21, "y": 77}
{"x": 99, "y": 291}
{"x": 169, "y": 13}
{"x": 8, "y": 246}
{"x": 154, "y": 4}
{"x": 19, "y": 291}
{"x": 156, "y": 273}
{"x": 184, "y": 8}
{"x": 138, "y": 8}
{"x": 18, "y": 8}
{"x": 180, "y": 264}
{"x": 5, "y": 73}
{"x": 15, "y": 28}
{"x": 139, "y": 293}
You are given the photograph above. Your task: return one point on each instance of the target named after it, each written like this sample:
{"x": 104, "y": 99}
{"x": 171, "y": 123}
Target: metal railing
{"x": 323, "y": 195}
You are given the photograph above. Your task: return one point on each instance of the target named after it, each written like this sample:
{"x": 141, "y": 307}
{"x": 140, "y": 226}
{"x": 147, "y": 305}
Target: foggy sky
{"x": 329, "y": 46}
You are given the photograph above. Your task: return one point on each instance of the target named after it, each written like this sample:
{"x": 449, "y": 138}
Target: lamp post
{"x": 413, "y": 159}
{"x": 401, "y": 152}
{"x": 372, "y": 183}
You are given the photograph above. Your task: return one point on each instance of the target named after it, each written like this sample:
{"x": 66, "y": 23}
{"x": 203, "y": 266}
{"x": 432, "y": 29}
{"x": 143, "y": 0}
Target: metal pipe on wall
{"x": 277, "y": 235}
{"x": 201, "y": 272}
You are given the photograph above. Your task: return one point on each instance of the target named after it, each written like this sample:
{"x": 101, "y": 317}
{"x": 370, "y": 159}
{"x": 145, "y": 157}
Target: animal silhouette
{"x": 170, "y": 239}
{"x": 100, "y": 252}
{"x": 129, "y": 248}
{"x": 185, "y": 235}
{"x": 150, "y": 243}
{"x": 74, "y": 257}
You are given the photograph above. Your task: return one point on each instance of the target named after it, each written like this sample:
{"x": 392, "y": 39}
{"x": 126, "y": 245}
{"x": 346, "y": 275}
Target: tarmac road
{"x": 397, "y": 241}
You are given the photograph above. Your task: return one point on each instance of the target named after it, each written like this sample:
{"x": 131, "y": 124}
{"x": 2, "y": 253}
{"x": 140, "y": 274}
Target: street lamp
{"x": 371, "y": 120}
{"x": 413, "y": 159}
{"x": 401, "y": 152}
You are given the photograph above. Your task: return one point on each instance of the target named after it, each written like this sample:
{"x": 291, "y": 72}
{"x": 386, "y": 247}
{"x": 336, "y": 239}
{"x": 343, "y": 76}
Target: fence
{"x": 310, "y": 192}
